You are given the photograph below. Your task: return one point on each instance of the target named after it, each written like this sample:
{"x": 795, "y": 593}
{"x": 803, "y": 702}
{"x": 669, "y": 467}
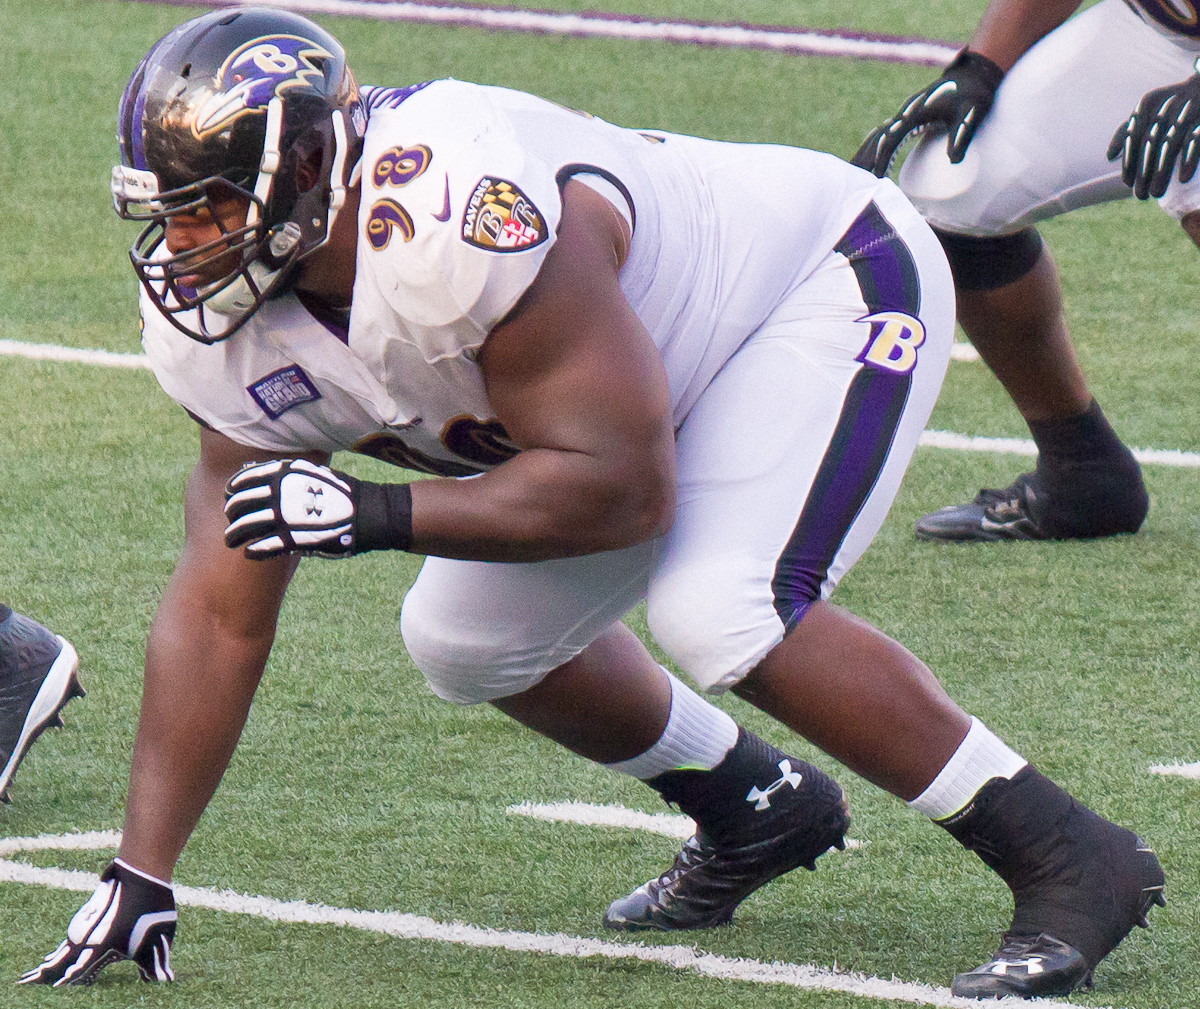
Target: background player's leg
{"x": 1020, "y": 332}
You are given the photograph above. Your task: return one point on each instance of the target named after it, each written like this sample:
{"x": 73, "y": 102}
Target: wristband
{"x": 384, "y": 519}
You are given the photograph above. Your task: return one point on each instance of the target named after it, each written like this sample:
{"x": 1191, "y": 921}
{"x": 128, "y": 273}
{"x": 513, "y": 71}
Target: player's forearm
{"x": 199, "y": 681}
{"x": 545, "y": 504}
{"x": 1009, "y": 27}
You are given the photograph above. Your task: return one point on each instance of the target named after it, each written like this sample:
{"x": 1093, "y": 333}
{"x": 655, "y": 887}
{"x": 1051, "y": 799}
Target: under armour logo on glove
{"x": 762, "y": 797}
{"x": 291, "y": 506}
{"x": 131, "y": 916}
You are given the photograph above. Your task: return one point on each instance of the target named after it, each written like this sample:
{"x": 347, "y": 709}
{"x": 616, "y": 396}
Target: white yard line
{"x": 592, "y": 815}
{"x": 930, "y": 439}
{"x": 411, "y": 926}
{"x": 76, "y": 355}
{"x": 1176, "y": 770}
{"x": 797, "y": 41}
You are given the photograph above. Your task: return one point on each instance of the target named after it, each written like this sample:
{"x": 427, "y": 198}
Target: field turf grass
{"x": 355, "y": 787}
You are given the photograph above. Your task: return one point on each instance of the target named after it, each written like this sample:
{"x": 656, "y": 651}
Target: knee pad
{"x": 991, "y": 261}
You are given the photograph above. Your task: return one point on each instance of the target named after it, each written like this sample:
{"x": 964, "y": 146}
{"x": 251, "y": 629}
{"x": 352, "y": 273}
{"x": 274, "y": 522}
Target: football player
{"x": 676, "y": 370}
{"x": 38, "y": 677}
{"x": 1016, "y": 130}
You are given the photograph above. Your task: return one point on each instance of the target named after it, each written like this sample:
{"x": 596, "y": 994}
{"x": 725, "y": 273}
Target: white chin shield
{"x": 237, "y": 298}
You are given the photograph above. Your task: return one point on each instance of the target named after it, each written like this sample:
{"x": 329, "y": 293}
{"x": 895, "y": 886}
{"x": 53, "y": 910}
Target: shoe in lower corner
{"x": 38, "y": 677}
{"x": 1080, "y": 884}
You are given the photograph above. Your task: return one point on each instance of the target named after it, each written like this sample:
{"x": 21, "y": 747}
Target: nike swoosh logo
{"x": 445, "y": 214}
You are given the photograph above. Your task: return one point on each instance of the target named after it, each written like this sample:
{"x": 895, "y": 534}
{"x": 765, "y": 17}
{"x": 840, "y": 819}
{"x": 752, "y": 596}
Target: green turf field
{"x": 354, "y": 787}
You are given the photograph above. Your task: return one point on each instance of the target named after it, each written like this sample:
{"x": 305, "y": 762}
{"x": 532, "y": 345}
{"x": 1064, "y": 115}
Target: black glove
{"x": 130, "y": 917}
{"x": 958, "y": 100}
{"x": 1165, "y": 123}
{"x": 293, "y": 506}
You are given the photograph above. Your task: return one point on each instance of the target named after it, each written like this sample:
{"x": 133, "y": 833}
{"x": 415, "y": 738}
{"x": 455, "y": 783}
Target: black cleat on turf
{"x": 1056, "y": 501}
{"x": 708, "y": 880}
{"x": 1080, "y": 884}
{"x": 1027, "y": 967}
{"x": 38, "y": 677}
{"x": 993, "y": 515}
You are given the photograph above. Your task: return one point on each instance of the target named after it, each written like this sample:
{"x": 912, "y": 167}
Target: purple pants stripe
{"x": 871, "y": 412}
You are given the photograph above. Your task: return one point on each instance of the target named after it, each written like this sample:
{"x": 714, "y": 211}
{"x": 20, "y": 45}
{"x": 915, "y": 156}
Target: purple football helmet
{"x": 242, "y": 102}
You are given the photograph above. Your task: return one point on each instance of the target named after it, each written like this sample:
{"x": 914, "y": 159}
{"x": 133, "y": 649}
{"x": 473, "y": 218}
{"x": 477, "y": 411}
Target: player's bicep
{"x": 572, "y": 368}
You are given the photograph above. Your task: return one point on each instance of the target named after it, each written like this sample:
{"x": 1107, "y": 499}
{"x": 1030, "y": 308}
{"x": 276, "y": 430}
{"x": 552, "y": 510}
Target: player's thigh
{"x": 480, "y": 631}
{"x": 1041, "y": 150}
{"x": 791, "y": 458}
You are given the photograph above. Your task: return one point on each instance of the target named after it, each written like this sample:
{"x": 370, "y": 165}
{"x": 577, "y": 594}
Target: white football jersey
{"x": 461, "y": 199}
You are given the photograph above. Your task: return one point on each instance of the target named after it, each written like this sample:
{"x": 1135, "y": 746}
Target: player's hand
{"x": 129, "y": 917}
{"x": 958, "y": 100}
{"x": 1164, "y": 128}
{"x": 291, "y": 506}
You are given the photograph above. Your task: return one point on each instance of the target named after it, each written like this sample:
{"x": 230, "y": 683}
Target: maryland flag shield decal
{"x": 501, "y": 218}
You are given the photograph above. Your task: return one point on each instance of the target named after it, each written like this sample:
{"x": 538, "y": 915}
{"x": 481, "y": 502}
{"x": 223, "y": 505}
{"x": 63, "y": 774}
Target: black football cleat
{"x": 38, "y": 677}
{"x": 1026, "y": 967}
{"x": 1057, "y": 501}
{"x": 993, "y": 515}
{"x": 1080, "y": 884}
{"x": 708, "y": 879}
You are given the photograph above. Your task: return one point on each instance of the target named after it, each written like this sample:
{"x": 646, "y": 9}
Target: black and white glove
{"x": 1164, "y": 128}
{"x": 958, "y": 100}
{"x": 293, "y": 506}
{"x": 131, "y": 916}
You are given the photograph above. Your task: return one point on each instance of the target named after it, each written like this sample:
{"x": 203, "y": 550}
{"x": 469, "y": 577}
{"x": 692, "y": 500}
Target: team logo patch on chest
{"x": 501, "y": 218}
{"x": 281, "y": 390}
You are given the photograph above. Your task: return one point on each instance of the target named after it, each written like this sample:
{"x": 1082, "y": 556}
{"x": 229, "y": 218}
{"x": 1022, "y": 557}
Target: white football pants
{"x": 787, "y": 466}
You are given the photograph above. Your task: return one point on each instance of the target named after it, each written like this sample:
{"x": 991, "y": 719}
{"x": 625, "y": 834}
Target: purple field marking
{"x": 779, "y": 38}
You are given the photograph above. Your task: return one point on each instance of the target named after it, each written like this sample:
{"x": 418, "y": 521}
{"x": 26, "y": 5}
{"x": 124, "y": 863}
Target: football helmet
{"x": 250, "y": 104}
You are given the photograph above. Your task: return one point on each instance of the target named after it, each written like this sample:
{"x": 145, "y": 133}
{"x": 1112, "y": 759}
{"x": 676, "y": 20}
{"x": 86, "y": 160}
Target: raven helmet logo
{"x": 501, "y": 218}
{"x": 253, "y": 74}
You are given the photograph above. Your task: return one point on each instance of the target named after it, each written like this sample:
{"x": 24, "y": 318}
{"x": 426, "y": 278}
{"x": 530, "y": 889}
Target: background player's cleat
{"x": 708, "y": 880}
{"x": 994, "y": 515}
{"x": 38, "y": 676}
{"x": 1026, "y": 967}
{"x": 1055, "y": 502}
{"x": 1079, "y": 883}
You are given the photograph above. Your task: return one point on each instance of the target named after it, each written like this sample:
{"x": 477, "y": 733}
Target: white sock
{"x": 697, "y": 737}
{"x": 981, "y": 756}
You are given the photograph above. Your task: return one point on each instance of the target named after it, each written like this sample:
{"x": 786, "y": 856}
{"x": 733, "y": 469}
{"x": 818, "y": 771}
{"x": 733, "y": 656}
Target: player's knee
{"x": 710, "y": 625}
{"x": 984, "y": 263}
{"x": 459, "y": 666}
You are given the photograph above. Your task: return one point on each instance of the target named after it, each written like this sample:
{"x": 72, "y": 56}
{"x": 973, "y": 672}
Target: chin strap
{"x": 269, "y": 165}
{"x": 337, "y": 189}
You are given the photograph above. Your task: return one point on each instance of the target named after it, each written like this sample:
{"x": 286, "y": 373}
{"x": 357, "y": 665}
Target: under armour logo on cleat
{"x": 1033, "y": 965}
{"x": 762, "y": 797}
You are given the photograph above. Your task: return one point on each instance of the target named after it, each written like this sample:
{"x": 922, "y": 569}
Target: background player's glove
{"x": 131, "y": 916}
{"x": 1165, "y": 127}
{"x": 958, "y": 100}
{"x": 293, "y": 506}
